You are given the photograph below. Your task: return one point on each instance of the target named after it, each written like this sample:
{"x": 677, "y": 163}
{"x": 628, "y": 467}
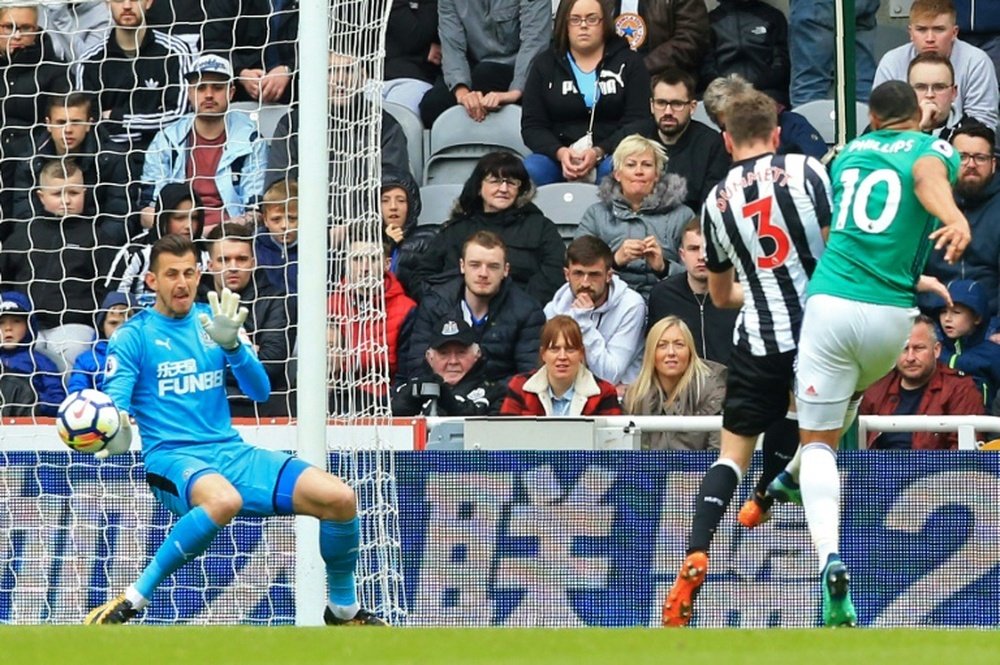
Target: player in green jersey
{"x": 891, "y": 188}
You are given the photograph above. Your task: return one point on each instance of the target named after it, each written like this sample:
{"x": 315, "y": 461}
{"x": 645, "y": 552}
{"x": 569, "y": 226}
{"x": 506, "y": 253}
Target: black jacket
{"x": 509, "y": 339}
{"x": 60, "y": 264}
{"x": 535, "y": 250}
{"x": 283, "y": 150}
{"x": 412, "y": 28}
{"x": 406, "y": 255}
{"x": 711, "y": 327}
{"x": 749, "y": 38}
{"x": 143, "y": 93}
{"x": 113, "y": 175}
{"x": 472, "y": 396}
{"x": 554, "y": 114}
{"x": 699, "y": 156}
{"x": 252, "y": 37}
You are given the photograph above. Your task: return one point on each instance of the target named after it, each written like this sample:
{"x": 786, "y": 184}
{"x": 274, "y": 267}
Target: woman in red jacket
{"x": 563, "y": 386}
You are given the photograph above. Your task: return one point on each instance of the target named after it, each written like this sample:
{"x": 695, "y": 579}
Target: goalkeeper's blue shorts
{"x": 265, "y": 479}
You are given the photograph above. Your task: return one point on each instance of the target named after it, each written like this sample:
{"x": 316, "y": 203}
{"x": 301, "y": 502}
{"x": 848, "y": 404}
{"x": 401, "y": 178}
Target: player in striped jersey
{"x": 891, "y": 188}
{"x": 767, "y": 223}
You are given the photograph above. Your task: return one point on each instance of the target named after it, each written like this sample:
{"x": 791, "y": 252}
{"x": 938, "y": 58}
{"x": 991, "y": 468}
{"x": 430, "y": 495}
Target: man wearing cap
{"x": 136, "y": 75}
{"x": 453, "y": 381}
{"x": 220, "y": 154}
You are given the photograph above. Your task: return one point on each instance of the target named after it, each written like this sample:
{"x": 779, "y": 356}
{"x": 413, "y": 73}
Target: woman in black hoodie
{"x": 588, "y": 71}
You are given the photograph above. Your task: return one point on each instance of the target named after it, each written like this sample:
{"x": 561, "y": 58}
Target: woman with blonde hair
{"x": 674, "y": 381}
{"x": 563, "y": 386}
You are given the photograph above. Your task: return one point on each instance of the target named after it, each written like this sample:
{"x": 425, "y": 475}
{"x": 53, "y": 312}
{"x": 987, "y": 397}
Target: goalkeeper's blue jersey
{"x": 171, "y": 376}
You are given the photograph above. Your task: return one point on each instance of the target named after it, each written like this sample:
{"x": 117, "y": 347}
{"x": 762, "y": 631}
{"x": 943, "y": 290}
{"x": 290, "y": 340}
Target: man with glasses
{"x": 694, "y": 150}
{"x": 933, "y": 30}
{"x": 977, "y": 193}
{"x": 933, "y": 79}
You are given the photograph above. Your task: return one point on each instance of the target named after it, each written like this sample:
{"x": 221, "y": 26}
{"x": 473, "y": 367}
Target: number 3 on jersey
{"x": 760, "y": 212}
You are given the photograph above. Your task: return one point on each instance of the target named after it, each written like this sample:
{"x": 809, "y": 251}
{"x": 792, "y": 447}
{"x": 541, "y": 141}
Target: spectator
{"x": 749, "y": 38}
{"x": 611, "y": 316}
{"x": 412, "y": 52}
{"x": 59, "y": 258}
{"x": 400, "y": 206}
{"x": 640, "y": 215}
{"x": 675, "y": 381}
{"x": 76, "y": 27}
{"x": 666, "y": 34}
{"x": 136, "y": 76}
{"x": 69, "y": 131}
{"x": 259, "y": 38}
{"x": 685, "y": 296}
{"x": 933, "y": 79}
{"x": 357, "y": 351}
{"x": 453, "y": 382}
{"x": 497, "y": 197}
{"x": 219, "y": 153}
{"x": 977, "y": 193}
{"x": 486, "y": 49}
{"x": 694, "y": 150}
{"x": 17, "y": 397}
{"x": 88, "y": 369}
{"x": 797, "y": 135}
{"x": 268, "y": 325}
{"x": 979, "y": 23}
{"x": 933, "y": 30}
{"x": 965, "y": 342}
{"x": 20, "y": 356}
{"x": 178, "y": 211}
{"x": 184, "y": 19}
{"x": 276, "y": 244}
{"x": 811, "y": 28}
{"x": 347, "y": 101}
{"x": 920, "y": 385}
{"x": 28, "y": 68}
{"x": 563, "y": 386}
{"x": 505, "y": 319}
{"x": 577, "y": 95}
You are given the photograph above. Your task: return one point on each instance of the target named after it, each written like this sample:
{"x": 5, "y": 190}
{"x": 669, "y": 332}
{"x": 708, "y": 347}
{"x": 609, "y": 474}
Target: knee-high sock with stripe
{"x": 191, "y": 536}
{"x": 820, "y": 484}
{"x": 338, "y": 545}
{"x": 781, "y": 440}
{"x": 714, "y": 495}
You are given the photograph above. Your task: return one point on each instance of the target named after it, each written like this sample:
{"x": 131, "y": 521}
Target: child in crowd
{"x": 88, "y": 370}
{"x": 276, "y": 243}
{"x": 19, "y": 356}
{"x": 965, "y": 343}
{"x": 400, "y": 204}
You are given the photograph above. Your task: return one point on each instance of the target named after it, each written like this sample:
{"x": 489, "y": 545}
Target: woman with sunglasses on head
{"x": 497, "y": 197}
{"x": 588, "y": 82}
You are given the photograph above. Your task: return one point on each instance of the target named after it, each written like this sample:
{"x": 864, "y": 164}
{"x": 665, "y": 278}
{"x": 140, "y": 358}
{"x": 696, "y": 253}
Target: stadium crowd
{"x": 116, "y": 129}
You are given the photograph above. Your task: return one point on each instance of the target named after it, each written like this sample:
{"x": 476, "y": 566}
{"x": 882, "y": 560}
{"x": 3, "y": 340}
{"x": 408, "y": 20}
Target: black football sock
{"x": 717, "y": 488}
{"x": 781, "y": 440}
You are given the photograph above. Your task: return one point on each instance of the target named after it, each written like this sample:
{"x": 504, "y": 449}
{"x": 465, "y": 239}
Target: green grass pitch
{"x": 200, "y": 645}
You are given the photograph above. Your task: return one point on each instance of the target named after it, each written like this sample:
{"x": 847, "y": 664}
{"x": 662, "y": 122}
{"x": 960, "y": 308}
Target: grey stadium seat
{"x": 267, "y": 116}
{"x": 457, "y": 142}
{"x": 436, "y": 202}
{"x": 564, "y": 203}
{"x": 820, "y": 114}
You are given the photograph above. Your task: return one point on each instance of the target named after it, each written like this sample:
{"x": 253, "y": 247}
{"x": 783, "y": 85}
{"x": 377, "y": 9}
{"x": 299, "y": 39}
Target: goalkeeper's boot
{"x": 679, "y": 604}
{"x": 838, "y": 610}
{"x": 755, "y": 511}
{"x": 784, "y": 489}
{"x": 116, "y": 610}
{"x": 362, "y": 618}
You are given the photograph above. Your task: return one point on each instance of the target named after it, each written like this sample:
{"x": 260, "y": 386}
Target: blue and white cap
{"x": 210, "y": 63}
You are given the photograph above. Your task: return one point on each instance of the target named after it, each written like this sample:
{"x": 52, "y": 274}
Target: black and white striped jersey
{"x": 764, "y": 219}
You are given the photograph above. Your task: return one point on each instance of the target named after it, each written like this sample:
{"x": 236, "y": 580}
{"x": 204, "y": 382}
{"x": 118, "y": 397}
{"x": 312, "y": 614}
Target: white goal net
{"x": 106, "y": 144}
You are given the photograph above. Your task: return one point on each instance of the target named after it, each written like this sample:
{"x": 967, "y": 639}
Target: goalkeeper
{"x": 166, "y": 366}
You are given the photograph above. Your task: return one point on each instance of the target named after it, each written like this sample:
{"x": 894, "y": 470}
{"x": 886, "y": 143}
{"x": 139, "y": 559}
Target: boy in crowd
{"x": 276, "y": 242}
{"x": 19, "y": 357}
{"x": 965, "y": 345}
{"x": 88, "y": 370}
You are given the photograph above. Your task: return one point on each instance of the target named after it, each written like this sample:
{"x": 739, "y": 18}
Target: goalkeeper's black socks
{"x": 716, "y": 491}
{"x": 781, "y": 440}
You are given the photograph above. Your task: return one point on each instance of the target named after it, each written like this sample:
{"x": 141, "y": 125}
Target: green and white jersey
{"x": 878, "y": 242}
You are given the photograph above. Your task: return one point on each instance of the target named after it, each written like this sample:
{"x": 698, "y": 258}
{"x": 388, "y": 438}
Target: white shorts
{"x": 845, "y": 346}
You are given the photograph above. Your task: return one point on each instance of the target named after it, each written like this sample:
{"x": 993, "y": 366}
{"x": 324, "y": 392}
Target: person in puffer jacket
{"x": 965, "y": 344}
{"x": 401, "y": 206}
{"x": 88, "y": 369}
{"x": 19, "y": 357}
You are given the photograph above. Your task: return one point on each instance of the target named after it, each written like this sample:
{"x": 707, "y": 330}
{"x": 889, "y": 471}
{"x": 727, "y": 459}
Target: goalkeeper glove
{"x": 120, "y": 442}
{"x": 227, "y": 319}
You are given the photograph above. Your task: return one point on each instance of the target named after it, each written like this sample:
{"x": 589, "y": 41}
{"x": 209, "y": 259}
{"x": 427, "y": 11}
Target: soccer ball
{"x": 87, "y": 420}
